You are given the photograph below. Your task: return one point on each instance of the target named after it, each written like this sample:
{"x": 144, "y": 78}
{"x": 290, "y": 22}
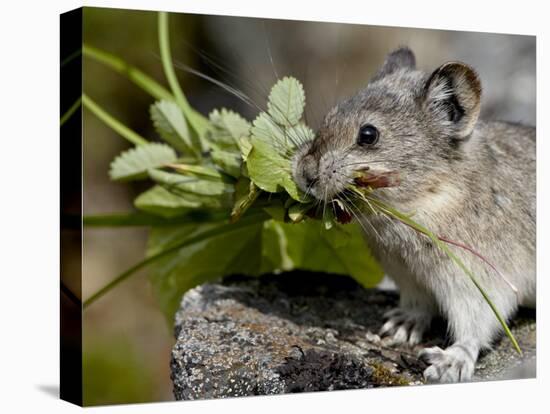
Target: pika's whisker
{"x": 359, "y": 219}
{"x": 310, "y": 186}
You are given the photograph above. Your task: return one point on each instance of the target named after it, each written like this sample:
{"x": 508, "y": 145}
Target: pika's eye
{"x": 368, "y": 135}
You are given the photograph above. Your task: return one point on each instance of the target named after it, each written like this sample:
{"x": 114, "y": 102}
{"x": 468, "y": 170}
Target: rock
{"x": 300, "y": 332}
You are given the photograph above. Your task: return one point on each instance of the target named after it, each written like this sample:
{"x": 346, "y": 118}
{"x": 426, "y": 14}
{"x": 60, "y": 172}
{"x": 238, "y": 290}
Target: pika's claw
{"x": 405, "y": 326}
{"x": 454, "y": 364}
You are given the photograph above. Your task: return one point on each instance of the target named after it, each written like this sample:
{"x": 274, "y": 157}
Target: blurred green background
{"x": 126, "y": 339}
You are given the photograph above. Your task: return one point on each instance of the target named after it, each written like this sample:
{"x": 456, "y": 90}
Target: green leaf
{"x": 284, "y": 139}
{"x": 353, "y": 254}
{"x": 184, "y": 184}
{"x": 161, "y": 202}
{"x": 210, "y": 194}
{"x": 171, "y": 125}
{"x": 234, "y": 252}
{"x": 341, "y": 250}
{"x": 230, "y": 131}
{"x": 266, "y": 130}
{"x": 252, "y": 249}
{"x": 201, "y": 171}
{"x": 270, "y": 170}
{"x": 274, "y": 249}
{"x": 276, "y": 212}
{"x": 287, "y": 101}
{"x": 299, "y": 134}
{"x": 229, "y": 162}
{"x": 229, "y": 140}
{"x": 134, "y": 163}
{"x": 268, "y": 164}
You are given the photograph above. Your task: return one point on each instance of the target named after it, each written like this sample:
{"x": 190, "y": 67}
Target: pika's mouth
{"x": 367, "y": 178}
{"x": 363, "y": 182}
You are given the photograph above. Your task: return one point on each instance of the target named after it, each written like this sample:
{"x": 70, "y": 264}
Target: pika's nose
{"x": 309, "y": 178}
{"x": 310, "y": 170}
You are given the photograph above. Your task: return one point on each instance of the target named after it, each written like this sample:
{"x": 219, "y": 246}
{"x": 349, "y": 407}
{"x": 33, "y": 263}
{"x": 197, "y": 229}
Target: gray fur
{"x": 468, "y": 180}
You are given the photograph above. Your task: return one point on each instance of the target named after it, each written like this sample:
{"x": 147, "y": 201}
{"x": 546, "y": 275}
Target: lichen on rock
{"x": 301, "y": 332}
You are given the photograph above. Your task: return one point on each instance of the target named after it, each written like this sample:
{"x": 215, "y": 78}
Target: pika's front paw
{"x": 454, "y": 364}
{"x": 405, "y": 326}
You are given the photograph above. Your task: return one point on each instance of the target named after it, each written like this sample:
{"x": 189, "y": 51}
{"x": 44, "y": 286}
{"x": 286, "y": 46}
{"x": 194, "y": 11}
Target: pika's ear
{"x": 452, "y": 95}
{"x": 402, "y": 58}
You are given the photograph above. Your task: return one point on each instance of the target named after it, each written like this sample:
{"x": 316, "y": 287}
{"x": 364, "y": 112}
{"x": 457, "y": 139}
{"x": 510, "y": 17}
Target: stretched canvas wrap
{"x": 253, "y": 206}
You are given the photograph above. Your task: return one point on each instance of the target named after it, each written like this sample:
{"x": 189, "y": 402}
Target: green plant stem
{"x": 499, "y": 317}
{"x": 223, "y": 229}
{"x": 406, "y": 220}
{"x": 140, "y": 219}
{"x": 67, "y": 115}
{"x": 71, "y": 57}
{"x": 110, "y": 121}
{"x": 166, "y": 57}
{"x": 142, "y": 80}
{"x": 198, "y": 122}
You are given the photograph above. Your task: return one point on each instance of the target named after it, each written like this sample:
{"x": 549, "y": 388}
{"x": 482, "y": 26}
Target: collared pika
{"x": 465, "y": 179}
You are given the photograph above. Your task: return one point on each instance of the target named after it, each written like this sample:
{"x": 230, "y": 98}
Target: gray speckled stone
{"x": 304, "y": 332}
